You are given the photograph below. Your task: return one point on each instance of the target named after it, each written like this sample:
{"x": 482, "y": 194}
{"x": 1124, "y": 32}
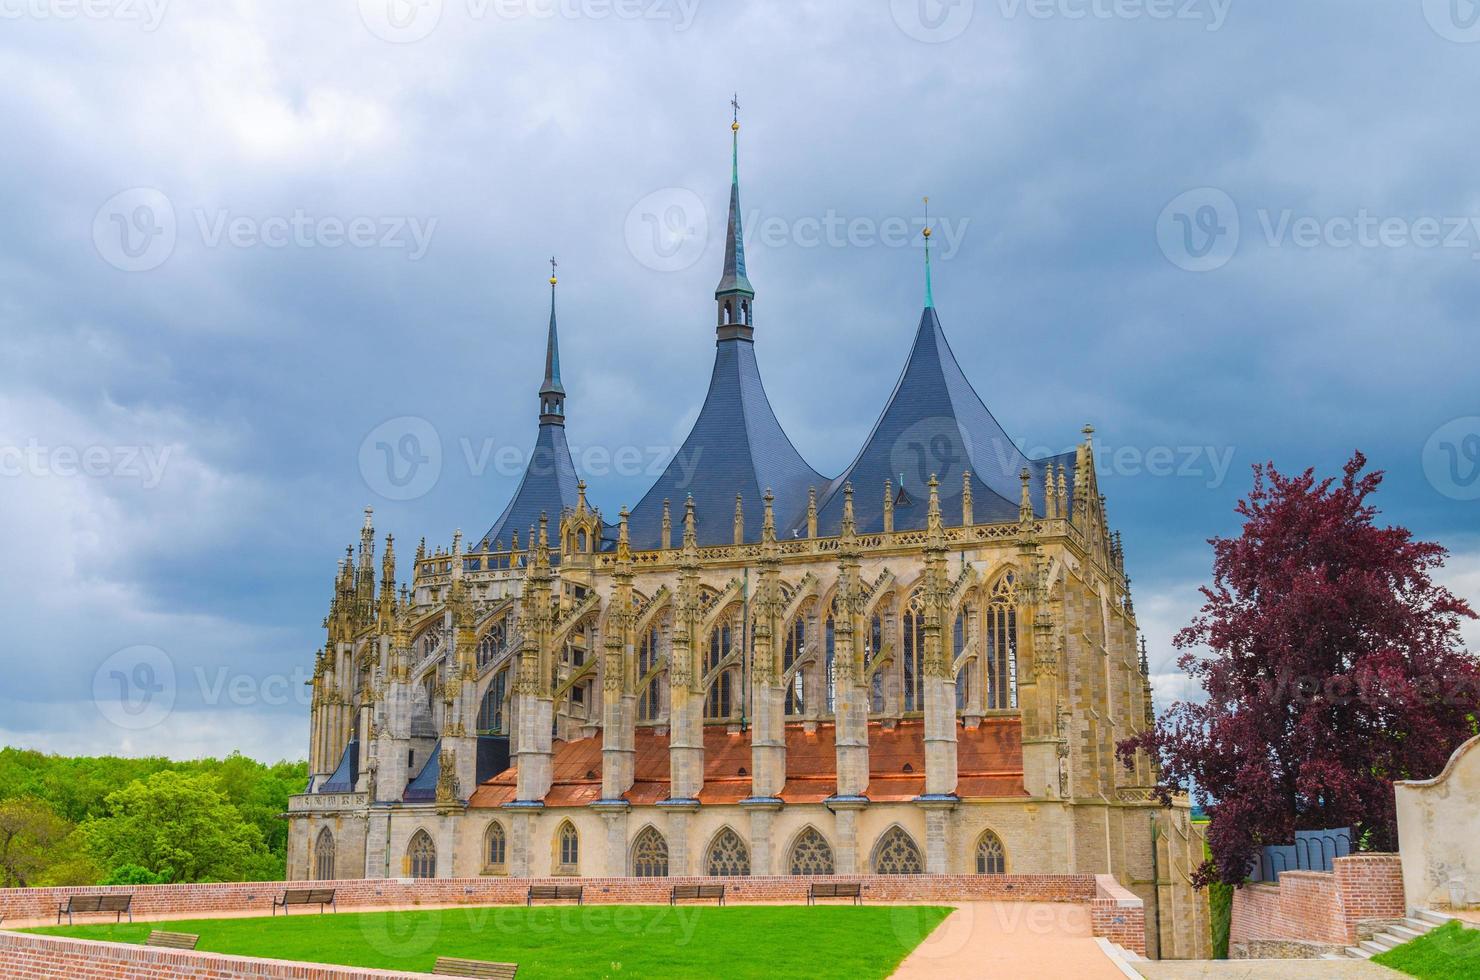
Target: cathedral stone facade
{"x": 920, "y": 666}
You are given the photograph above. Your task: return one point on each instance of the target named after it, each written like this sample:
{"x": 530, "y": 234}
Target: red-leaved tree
{"x": 1336, "y": 666}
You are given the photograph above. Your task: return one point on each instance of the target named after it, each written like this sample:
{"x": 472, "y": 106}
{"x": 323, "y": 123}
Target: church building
{"x": 920, "y": 666}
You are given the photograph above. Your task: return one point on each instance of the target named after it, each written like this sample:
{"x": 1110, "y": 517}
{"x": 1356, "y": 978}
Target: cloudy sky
{"x": 248, "y": 244}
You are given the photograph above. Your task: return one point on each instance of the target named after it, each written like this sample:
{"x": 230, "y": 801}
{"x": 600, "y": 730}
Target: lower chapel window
{"x": 897, "y": 854}
{"x": 991, "y": 858}
{"x": 811, "y": 854}
{"x": 650, "y": 855}
{"x": 423, "y": 856}
{"x": 728, "y": 856}
{"x": 497, "y": 845}
{"x": 323, "y": 856}
{"x": 570, "y": 847}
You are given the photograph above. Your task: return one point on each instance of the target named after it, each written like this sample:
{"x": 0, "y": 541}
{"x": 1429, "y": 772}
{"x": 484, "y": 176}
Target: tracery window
{"x": 649, "y": 704}
{"x": 897, "y": 854}
{"x": 323, "y": 856}
{"x": 497, "y": 849}
{"x": 811, "y": 854}
{"x": 430, "y": 641}
{"x": 423, "y": 855}
{"x": 493, "y": 644}
{"x": 650, "y": 855}
{"x": 719, "y": 700}
{"x": 991, "y": 857}
{"x": 914, "y": 653}
{"x": 829, "y": 642}
{"x": 491, "y": 710}
{"x": 1001, "y": 666}
{"x": 728, "y": 856}
{"x": 960, "y": 636}
{"x": 570, "y": 847}
{"x": 794, "y": 647}
{"x": 874, "y": 648}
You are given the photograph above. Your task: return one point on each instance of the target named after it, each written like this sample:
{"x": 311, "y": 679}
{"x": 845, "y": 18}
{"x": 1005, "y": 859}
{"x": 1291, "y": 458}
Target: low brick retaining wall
{"x": 25, "y": 957}
{"x": 1318, "y": 908}
{"x": 204, "y": 900}
{"x": 1118, "y": 915}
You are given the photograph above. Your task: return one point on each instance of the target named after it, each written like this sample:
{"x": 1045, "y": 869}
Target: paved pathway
{"x": 1010, "y": 939}
{"x": 1352, "y": 969}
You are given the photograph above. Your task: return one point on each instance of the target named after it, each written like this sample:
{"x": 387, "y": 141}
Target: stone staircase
{"x": 1418, "y": 922}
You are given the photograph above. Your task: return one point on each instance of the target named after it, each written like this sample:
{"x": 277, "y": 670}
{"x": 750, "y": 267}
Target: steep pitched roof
{"x": 935, "y": 424}
{"x": 736, "y": 446}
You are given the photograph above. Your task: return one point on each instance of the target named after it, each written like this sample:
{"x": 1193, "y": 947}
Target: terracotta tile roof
{"x": 989, "y": 763}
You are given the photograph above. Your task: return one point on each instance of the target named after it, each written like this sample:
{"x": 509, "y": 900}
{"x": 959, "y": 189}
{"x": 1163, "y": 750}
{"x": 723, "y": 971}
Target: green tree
{"x": 30, "y": 832}
{"x": 177, "y": 825}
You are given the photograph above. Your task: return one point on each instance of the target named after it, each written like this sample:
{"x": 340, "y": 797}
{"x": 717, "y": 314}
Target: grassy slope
{"x": 1450, "y": 952}
{"x": 564, "y": 941}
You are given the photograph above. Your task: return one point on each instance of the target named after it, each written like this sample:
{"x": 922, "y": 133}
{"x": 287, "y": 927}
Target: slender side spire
{"x": 552, "y": 393}
{"x": 734, "y": 296}
{"x": 929, "y": 292}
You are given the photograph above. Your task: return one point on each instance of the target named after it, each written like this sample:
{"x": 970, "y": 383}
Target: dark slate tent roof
{"x": 736, "y": 446}
{"x": 549, "y": 486}
{"x": 423, "y": 786}
{"x": 347, "y": 773}
{"x": 935, "y": 423}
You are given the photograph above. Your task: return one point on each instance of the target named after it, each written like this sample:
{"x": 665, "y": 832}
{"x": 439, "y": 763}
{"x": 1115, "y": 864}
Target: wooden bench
{"x": 450, "y": 967}
{"x": 78, "y": 904}
{"x": 322, "y": 897}
{"x": 172, "y": 940}
{"x": 697, "y": 891}
{"x": 851, "y": 889}
{"x": 555, "y": 893}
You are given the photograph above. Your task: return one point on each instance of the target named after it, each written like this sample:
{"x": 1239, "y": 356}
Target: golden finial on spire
{"x": 553, "y": 264}
{"x": 735, "y": 106}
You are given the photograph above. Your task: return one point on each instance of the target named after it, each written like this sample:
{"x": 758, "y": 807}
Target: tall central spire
{"x": 734, "y": 295}
{"x": 929, "y": 292}
{"x": 552, "y": 392}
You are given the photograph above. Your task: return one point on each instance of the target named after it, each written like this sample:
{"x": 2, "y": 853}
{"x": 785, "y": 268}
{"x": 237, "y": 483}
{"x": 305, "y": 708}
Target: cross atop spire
{"x": 552, "y": 393}
{"x": 734, "y": 294}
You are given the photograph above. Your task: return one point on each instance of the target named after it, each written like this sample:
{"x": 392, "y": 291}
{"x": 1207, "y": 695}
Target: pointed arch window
{"x": 1001, "y": 665}
{"x": 649, "y": 704}
{"x": 812, "y": 854}
{"x": 491, "y": 710}
{"x": 728, "y": 856}
{"x": 496, "y": 847}
{"x": 422, "y": 856}
{"x": 991, "y": 857}
{"x": 960, "y": 637}
{"x": 568, "y": 844}
{"x": 876, "y": 677}
{"x": 794, "y": 648}
{"x": 829, "y": 647}
{"x": 650, "y": 854}
{"x": 719, "y": 700}
{"x": 914, "y": 653}
{"x": 323, "y": 856}
{"x": 897, "y": 854}
{"x": 493, "y": 644}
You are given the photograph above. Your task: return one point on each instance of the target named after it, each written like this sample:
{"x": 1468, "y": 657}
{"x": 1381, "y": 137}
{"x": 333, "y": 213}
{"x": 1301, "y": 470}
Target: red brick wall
{"x": 1118, "y": 915}
{"x": 203, "y": 900}
{"x": 49, "y": 957}
{"x": 1320, "y": 907}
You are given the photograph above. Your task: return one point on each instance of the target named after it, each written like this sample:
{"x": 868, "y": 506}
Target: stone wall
{"x": 1438, "y": 826}
{"x": 1318, "y": 907}
{"x": 28, "y": 957}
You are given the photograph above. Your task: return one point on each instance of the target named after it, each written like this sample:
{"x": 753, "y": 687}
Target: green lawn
{"x": 636, "y": 941}
{"x": 1450, "y": 952}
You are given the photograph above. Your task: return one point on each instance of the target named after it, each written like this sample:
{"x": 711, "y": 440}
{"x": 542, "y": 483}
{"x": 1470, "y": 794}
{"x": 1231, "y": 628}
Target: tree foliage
{"x": 182, "y": 827}
{"x": 30, "y": 832}
{"x": 76, "y": 790}
{"x": 1333, "y": 665}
